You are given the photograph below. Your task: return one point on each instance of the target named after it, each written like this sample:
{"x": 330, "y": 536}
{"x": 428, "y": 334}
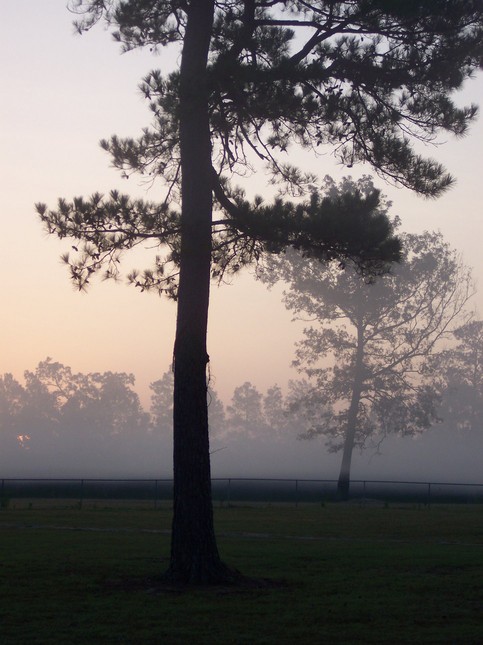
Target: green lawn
{"x": 346, "y": 574}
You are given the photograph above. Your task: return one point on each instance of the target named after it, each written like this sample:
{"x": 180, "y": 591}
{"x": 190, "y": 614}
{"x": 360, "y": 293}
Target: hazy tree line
{"x": 77, "y": 423}
{"x": 60, "y": 417}
{"x": 390, "y": 354}
{"x": 396, "y": 354}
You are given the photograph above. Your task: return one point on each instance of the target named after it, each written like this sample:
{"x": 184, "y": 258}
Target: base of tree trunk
{"x": 202, "y": 574}
{"x": 231, "y": 582}
{"x": 225, "y": 580}
{"x": 343, "y": 486}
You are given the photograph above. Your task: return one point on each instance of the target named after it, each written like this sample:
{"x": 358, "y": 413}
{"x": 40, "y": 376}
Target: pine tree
{"x": 363, "y": 77}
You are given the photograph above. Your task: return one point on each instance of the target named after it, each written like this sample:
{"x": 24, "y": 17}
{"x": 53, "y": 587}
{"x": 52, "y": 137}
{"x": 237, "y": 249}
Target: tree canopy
{"x": 363, "y": 78}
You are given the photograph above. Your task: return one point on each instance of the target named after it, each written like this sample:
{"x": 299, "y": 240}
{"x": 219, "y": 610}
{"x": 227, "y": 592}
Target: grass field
{"x": 345, "y": 574}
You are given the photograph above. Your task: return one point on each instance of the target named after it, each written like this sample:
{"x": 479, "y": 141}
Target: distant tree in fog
{"x": 216, "y": 415}
{"x": 275, "y": 412}
{"x": 71, "y": 415}
{"x": 162, "y": 403}
{"x": 366, "y": 351}
{"x": 272, "y": 416}
{"x": 96, "y": 404}
{"x": 244, "y": 414}
{"x": 14, "y": 432}
{"x": 460, "y": 370}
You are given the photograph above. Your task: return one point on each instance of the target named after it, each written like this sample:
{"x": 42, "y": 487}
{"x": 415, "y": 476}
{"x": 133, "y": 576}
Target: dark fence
{"x": 229, "y": 490}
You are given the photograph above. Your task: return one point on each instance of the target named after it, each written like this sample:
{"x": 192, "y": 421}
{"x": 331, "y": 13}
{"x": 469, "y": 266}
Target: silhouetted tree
{"x": 255, "y": 77}
{"x": 368, "y": 353}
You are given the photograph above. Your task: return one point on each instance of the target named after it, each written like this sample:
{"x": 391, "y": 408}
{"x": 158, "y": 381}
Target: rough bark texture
{"x": 343, "y": 484}
{"x": 194, "y": 554}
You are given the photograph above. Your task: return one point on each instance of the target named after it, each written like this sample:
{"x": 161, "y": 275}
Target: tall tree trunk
{"x": 343, "y": 483}
{"x": 194, "y": 553}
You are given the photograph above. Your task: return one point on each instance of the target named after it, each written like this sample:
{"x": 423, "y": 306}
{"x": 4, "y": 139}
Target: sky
{"x": 60, "y": 94}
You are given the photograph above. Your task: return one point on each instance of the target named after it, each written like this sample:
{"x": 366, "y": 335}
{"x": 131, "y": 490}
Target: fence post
{"x": 296, "y": 493}
{"x": 155, "y": 494}
{"x": 429, "y": 494}
{"x": 228, "y": 491}
{"x": 3, "y": 501}
{"x": 81, "y": 499}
